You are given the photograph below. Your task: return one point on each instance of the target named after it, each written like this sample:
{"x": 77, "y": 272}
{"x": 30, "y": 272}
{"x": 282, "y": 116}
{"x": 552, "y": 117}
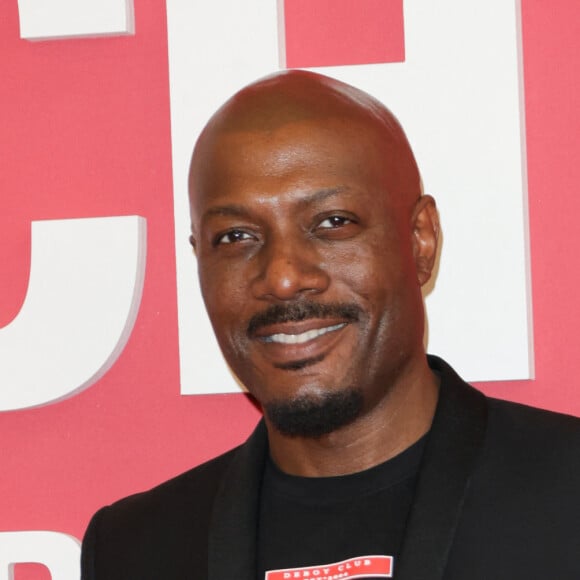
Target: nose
{"x": 289, "y": 269}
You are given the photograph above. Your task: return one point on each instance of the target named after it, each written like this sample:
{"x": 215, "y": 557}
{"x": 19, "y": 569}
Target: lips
{"x": 297, "y": 345}
{"x": 300, "y": 334}
{"x": 302, "y": 337}
{"x": 298, "y": 317}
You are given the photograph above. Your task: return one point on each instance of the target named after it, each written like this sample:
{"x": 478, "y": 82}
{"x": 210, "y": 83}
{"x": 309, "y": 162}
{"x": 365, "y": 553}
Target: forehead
{"x": 324, "y": 153}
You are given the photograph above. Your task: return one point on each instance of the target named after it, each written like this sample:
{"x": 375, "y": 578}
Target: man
{"x": 313, "y": 240}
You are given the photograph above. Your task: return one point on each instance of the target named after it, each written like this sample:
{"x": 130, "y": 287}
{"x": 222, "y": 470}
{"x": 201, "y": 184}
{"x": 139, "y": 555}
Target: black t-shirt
{"x": 324, "y": 528}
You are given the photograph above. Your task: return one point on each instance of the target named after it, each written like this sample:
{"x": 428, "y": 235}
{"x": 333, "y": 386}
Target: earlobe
{"x": 425, "y": 237}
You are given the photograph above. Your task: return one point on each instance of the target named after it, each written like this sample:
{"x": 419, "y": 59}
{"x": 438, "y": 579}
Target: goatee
{"x": 313, "y": 417}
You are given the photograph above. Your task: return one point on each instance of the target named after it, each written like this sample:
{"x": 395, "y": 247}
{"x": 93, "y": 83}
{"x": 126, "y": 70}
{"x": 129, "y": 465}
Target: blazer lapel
{"x": 234, "y": 522}
{"x": 449, "y": 459}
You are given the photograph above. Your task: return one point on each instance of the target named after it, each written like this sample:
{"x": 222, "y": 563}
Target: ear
{"x": 425, "y": 237}
{"x": 192, "y": 242}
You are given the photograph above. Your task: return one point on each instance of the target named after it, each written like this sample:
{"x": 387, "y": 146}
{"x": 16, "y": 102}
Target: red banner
{"x": 363, "y": 567}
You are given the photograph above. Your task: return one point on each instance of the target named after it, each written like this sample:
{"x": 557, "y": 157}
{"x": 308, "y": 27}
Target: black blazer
{"x": 498, "y": 498}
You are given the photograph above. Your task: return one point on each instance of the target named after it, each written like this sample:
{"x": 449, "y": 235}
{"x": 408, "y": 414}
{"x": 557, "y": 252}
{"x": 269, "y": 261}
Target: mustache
{"x": 298, "y": 311}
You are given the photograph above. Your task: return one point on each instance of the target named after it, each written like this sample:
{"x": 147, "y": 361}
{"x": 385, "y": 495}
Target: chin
{"x": 314, "y": 416}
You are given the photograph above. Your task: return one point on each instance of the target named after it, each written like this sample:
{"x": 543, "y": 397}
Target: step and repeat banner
{"x": 110, "y": 377}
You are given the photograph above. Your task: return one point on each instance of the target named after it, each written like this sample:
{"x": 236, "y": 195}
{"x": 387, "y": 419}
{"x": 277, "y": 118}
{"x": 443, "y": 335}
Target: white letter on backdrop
{"x": 44, "y": 19}
{"x": 459, "y": 97}
{"x": 84, "y": 292}
{"x": 60, "y": 553}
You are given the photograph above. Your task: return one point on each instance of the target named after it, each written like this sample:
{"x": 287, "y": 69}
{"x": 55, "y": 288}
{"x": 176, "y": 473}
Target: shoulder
{"x": 193, "y": 490}
{"x": 202, "y": 479}
{"x": 536, "y": 434}
{"x": 526, "y": 460}
{"x": 163, "y": 532}
{"x": 522, "y": 507}
{"x": 529, "y": 433}
{"x": 135, "y": 535}
{"x": 528, "y": 475}
{"x": 521, "y": 510}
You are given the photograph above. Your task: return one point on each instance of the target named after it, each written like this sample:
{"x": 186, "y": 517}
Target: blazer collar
{"x": 451, "y": 451}
{"x": 453, "y": 446}
{"x": 233, "y": 530}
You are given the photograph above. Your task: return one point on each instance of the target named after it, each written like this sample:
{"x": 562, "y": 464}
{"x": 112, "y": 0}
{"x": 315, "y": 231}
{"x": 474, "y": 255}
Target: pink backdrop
{"x": 86, "y": 132}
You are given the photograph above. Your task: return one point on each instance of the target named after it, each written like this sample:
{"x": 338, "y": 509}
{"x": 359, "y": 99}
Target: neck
{"x": 392, "y": 425}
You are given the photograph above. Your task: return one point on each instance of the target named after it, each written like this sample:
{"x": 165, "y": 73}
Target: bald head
{"x": 312, "y": 242}
{"x": 295, "y": 95}
{"x": 305, "y": 98}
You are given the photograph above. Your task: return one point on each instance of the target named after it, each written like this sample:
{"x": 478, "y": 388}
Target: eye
{"x": 232, "y": 237}
{"x": 334, "y": 221}
{"x": 336, "y": 226}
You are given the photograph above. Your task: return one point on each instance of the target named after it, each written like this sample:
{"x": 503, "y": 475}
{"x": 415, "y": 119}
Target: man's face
{"x": 306, "y": 260}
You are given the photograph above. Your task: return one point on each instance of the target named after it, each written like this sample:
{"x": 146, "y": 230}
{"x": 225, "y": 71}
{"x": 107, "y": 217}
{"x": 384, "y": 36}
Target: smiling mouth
{"x": 303, "y": 337}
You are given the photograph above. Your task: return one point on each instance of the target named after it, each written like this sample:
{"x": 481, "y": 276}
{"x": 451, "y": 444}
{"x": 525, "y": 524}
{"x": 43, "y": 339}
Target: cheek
{"x": 383, "y": 281}
{"x": 223, "y": 294}
{"x": 368, "y": 267}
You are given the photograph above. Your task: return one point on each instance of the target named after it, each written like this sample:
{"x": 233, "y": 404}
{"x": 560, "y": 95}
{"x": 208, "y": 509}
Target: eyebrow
{"x": 225, "y": 210}
{"x": 236, "y": 210}
{"x": 322, "y": 194}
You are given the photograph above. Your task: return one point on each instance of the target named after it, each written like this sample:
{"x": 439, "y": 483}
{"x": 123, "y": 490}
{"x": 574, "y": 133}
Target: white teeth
{"x": 283, "y": 338}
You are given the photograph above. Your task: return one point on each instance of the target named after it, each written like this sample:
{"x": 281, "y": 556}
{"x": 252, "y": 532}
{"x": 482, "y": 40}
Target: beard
{"x": 310, "y": 416}
{"x": 313, "y": 417}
